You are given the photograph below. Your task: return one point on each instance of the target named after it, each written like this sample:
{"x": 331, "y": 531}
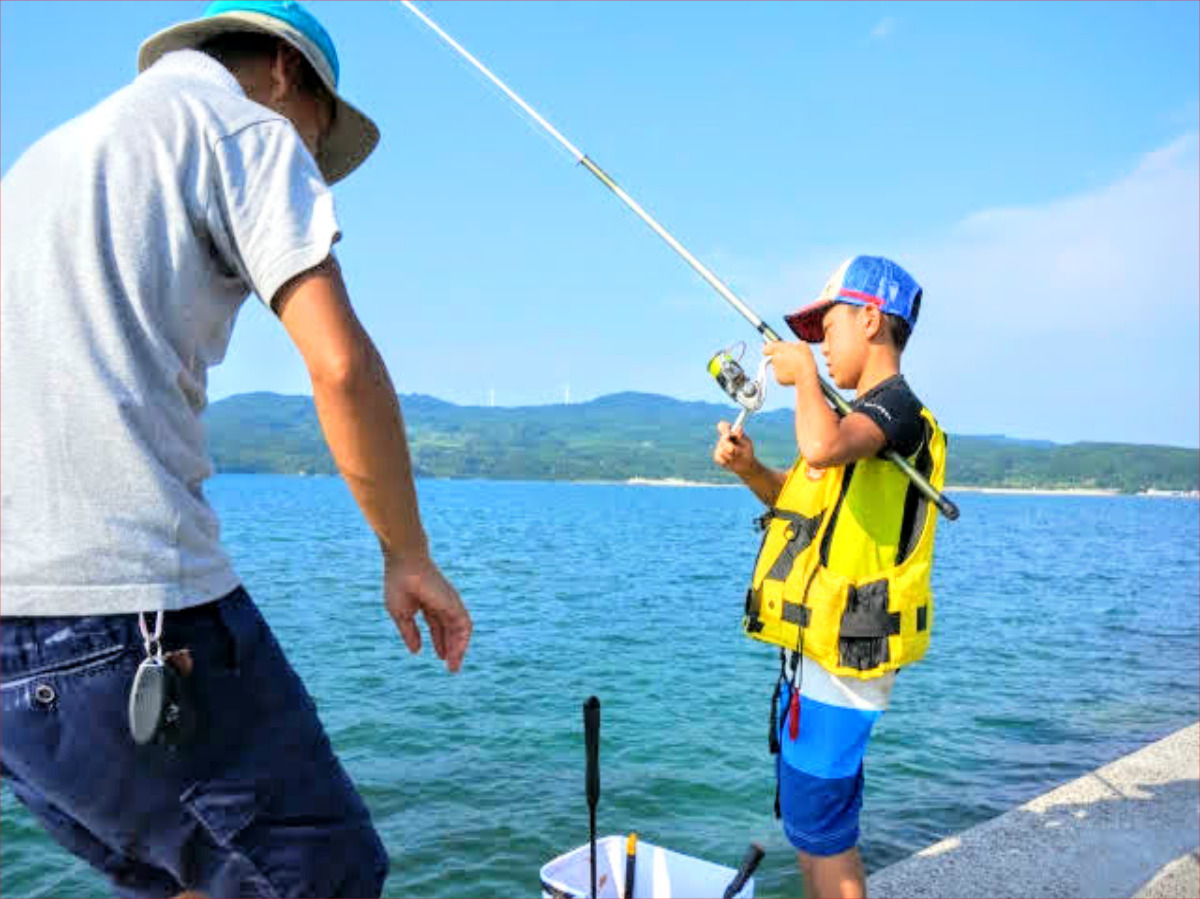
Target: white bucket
{"x": 660, "y": 873}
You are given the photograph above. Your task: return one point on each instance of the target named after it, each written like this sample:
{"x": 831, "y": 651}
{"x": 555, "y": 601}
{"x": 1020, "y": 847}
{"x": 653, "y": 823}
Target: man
{"x": 132, "y": 235}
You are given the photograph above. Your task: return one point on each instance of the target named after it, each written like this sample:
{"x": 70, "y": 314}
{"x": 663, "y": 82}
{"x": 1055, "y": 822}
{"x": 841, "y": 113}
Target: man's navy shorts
{"x": 256, "y": 805}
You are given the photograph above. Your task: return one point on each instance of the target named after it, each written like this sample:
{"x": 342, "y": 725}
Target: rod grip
{"x": 591, "y": 741}
{"x": 750, "y": 861}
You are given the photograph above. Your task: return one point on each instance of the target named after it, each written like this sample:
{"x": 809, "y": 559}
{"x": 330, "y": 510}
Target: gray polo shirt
{"x": 131, "y": 237}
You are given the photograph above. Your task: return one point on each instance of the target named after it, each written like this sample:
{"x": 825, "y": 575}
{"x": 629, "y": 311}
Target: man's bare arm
{"x": 357, "y": 405}
{"x": 362, "y": 422}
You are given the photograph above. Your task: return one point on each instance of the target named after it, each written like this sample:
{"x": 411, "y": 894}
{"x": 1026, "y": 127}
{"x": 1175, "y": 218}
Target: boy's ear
{"x": 872, "y": 321}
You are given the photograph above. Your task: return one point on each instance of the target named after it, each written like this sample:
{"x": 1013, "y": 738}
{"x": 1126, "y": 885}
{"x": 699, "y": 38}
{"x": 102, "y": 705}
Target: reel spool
{"x": 749, "y": 393}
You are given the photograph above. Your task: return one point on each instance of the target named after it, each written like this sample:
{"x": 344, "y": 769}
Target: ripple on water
{"x": 1064, "y": 638}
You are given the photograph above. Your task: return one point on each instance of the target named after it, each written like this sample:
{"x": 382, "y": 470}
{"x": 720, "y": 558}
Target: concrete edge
{"x": 1112, "y": 832}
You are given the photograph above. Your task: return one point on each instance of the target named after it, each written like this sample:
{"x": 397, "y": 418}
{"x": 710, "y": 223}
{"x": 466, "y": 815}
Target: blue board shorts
{"x": 256, "y": 805}
{"x": 820, "y": 769}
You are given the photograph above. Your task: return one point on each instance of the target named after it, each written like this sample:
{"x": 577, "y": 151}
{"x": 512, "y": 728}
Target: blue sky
{"x": 1034, "y": 165}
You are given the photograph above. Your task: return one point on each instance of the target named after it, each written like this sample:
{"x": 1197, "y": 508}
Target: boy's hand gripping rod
{"x": 947, "y": 508}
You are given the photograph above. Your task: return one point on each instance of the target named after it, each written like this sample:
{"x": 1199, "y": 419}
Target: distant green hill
{"x": 628, "y": 435}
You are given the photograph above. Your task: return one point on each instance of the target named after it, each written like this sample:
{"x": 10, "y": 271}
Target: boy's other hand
{"x": 734, "y": 450}
{"x": 790, "y": 361}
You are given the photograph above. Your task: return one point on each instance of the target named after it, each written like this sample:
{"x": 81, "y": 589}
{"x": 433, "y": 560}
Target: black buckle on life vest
{"x": 800, "y": 532}
{"x": 797, "y": 614}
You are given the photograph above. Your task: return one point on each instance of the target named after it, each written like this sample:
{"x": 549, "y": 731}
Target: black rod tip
{"x": 948, "y": 508}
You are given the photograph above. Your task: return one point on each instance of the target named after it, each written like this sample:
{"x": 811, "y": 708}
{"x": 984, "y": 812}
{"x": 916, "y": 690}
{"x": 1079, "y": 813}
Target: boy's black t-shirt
{"x": 893, "y": 406}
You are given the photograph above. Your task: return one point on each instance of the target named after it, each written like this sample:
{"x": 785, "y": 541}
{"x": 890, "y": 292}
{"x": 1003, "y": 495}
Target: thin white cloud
{"x": 1074, "y": 319}
{"x": 883, "y": 28}
{"x": 1131, "y": 243}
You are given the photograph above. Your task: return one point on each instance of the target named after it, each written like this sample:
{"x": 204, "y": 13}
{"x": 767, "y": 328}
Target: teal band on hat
{"x": 286, "y": 11}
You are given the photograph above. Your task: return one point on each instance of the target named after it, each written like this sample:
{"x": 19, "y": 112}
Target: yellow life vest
{"x": 843, "y": 572}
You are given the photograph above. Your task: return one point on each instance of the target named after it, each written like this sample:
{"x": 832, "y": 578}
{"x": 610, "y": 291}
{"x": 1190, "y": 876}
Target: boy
{"x": 842, "y": 579}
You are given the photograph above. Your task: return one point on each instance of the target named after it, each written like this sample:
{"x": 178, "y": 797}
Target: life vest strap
{"x": 915, "y": 501}
{"x": 796, "y": 613}
{"x": 800, "y": 532}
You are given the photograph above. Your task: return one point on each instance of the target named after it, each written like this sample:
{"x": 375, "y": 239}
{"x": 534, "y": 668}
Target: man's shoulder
{"x": 209, "y": 97}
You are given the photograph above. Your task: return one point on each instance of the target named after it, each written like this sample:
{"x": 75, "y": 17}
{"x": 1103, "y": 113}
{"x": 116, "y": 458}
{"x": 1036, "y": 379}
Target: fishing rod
{"x": 944, "y": 504}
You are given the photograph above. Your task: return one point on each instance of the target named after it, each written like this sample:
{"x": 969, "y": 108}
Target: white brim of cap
{"x": 352, "y": 137}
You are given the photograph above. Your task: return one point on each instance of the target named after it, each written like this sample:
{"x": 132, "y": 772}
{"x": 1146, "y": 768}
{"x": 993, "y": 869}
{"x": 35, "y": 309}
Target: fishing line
{"x": 947, "y": 508}
{"x": 490, "y": 89}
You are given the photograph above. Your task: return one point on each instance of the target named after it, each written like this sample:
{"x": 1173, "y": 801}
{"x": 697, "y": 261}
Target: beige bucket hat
{"x": 353, "y": 135}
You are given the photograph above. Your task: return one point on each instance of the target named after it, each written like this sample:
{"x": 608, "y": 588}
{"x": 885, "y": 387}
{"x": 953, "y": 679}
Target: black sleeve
{"x": 897, "y": 411}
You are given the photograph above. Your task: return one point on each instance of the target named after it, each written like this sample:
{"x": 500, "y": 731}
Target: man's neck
{"x": 882, "y": 363}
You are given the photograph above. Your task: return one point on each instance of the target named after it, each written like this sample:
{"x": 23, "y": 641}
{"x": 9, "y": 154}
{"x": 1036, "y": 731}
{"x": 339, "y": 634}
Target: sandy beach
{"x": 672, "y": 482}
{"x": 1074, "y": 491}
{"x": 1037, "y": 491}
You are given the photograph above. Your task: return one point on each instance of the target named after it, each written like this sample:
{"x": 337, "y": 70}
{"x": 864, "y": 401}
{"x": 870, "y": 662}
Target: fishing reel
{"x": 749, "y": 393}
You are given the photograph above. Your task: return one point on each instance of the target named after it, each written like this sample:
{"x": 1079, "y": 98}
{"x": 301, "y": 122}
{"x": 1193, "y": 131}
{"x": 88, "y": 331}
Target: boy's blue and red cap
{"x": 860, "y": 281}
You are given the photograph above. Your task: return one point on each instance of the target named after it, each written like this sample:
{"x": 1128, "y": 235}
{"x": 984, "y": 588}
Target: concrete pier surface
{"x": 1130, "y": 828}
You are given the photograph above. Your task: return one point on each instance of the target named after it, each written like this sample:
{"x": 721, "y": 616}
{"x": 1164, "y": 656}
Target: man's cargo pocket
{"x": 308, "y": 835}
{"x": 225, "y": 868}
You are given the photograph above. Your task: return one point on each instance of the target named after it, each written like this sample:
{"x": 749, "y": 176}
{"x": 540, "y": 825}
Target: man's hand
{"x": 734, "y": 450}
{"x": 416, "y": 585}
{"x": 792, "y": 362}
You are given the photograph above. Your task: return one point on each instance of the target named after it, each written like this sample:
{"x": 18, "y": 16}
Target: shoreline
{"x": 950, "y": 488}
{"x": 1038, "y": 491}
{"x": 1073, "y": 491}
{"x": 1151, "y": 492}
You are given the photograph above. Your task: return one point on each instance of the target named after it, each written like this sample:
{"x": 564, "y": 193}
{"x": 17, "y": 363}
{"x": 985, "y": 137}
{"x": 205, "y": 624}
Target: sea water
{"x": 1067, "y": 634}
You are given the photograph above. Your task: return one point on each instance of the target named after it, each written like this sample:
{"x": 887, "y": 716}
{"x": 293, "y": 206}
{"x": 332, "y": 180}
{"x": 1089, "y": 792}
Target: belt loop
{"x": 225, "y": 611}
